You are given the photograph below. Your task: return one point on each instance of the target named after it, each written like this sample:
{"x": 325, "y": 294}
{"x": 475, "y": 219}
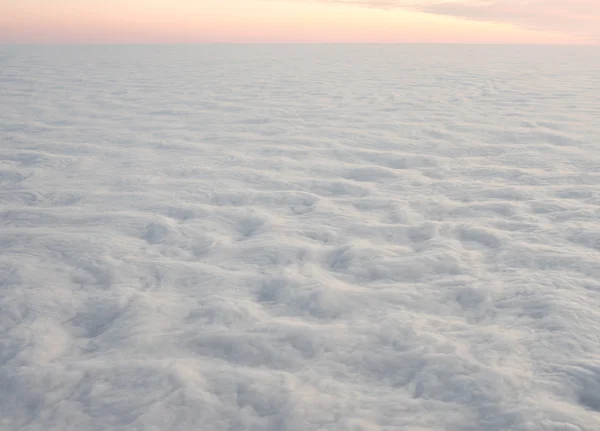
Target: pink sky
{"x": 198, "y": 21}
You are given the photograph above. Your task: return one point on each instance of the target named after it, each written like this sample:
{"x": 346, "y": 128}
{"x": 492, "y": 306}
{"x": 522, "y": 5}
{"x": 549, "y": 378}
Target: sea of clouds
{"x": 300, "y": 238}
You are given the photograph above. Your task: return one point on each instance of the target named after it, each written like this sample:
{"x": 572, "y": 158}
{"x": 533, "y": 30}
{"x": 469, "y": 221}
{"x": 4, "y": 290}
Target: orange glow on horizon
{"x": 184, "y": 21}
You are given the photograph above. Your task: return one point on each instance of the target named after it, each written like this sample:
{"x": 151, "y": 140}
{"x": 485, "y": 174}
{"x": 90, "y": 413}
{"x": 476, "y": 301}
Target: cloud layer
{"x": 291, "y": 238}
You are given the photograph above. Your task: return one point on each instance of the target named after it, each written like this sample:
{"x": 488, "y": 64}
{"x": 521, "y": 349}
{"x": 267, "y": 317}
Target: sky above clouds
{"x": 191, "y": 21}
{"x": 576, "y": 17}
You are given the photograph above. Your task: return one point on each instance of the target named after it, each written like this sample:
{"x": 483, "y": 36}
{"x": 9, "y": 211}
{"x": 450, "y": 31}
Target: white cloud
{"x": 292, "y": 238}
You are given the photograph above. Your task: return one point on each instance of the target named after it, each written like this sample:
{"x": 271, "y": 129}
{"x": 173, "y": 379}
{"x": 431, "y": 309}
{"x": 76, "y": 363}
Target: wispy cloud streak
{"x": 574, "y": 17}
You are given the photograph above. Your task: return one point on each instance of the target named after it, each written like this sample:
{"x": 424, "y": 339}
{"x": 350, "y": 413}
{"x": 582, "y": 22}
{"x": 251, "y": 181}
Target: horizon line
{"x": 44, "y": 44}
